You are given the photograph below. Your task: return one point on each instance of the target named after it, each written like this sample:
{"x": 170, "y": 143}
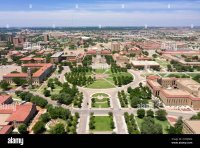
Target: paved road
{"x": 115, "y": 108}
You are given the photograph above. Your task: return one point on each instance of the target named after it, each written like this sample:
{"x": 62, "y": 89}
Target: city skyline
{"x": 21, "y": 13}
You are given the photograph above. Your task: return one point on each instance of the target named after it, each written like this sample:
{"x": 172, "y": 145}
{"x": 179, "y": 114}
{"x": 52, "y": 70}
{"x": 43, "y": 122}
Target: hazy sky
{"x": 30, "y": 13}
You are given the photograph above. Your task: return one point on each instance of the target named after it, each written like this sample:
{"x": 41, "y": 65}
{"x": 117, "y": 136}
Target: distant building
{"x": 191, "y": 126}
{"x": 28, "y": 60}
{"x": 43, "y": 71}
{"x": 120, "y": 58}
{"x": 91, "y": 52}
{"x": 134, "y": 50}
{"x": 18, "y": 41}
{"x": 73, "y": 57}
{"x": 145, "y": 64}
{"x": 57, "y": 57}
{"x": 175, "y": 91}
{"x": 115, "y": 46}
{"x": 46, "y": 37}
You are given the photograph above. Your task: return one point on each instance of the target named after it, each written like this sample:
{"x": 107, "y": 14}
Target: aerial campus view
{"x": 100, "y": 67}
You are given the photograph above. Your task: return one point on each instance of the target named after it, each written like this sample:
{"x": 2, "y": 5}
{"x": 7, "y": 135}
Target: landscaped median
{"x": 101, "y": 123}
{"x": 100, "y": 100}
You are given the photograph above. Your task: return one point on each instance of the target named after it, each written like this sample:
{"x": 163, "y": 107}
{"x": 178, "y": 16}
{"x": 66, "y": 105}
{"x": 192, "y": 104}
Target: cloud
{"x": 106, "y": 13}
{"x": 95, "y": 18}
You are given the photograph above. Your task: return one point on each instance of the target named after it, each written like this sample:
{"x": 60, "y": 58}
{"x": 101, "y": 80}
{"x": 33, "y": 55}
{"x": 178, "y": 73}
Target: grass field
{"x": 108, "y": 81}
{"x": 101, "y": 103}
{"x": 100, "y": 94}
{"x": 100, "y": 71}
{"x": 164, "y": 124}
{"x": 162, "y": 62}
{"x": 99, "y": 84}
{"x": 102, "y": 123}
{"x": 122, "y": 74}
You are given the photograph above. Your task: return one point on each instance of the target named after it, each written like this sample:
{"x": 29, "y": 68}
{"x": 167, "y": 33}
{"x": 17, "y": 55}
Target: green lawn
{"x": 100, "y": 71}
{"x": 56, "y": 90}
{"x": 164, "y": 124}
{"x": 100, "y": 84}
{"x": 102, "y": 123}
{"x": 100, "y": 94}
{"x": 101, "y": 103}
{"x": 122, "y": 74}
{"x": 108, "y": 71}
{"x": 110, "y": 79}
{"x": 162, "y": 62}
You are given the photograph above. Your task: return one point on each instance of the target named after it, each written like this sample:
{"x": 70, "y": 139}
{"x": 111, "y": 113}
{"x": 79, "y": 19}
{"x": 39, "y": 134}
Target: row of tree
{"x": 160, "y": 114}
{"x": 116, "y": 69}
{"x": 29, "y": 97}
{"x": 109, "y": 59}
{"x": 122, "y": 80}
{"x": 78, "y": 99}
{"x": 123, "y": 99}
{"x": 179, "y": 67}
{"x": 131, "y": 123}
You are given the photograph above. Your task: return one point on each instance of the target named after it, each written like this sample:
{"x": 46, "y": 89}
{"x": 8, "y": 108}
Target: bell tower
{"x": 29, "y": 72}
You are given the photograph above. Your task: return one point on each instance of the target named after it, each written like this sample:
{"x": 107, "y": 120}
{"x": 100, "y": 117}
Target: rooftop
{"x": 175, "y": 93}
{"x": 194, "y": 125}
{"x": 57, "y": 54}
{"x": 29, "y": 59}
{"x": 5, "y": 129}
{"x": 143, "y": 63}
{"x": 3, "y": 98}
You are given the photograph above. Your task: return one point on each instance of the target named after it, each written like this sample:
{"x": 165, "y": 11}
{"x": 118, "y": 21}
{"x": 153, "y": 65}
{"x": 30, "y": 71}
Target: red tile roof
{"x": 4, "y": 98}
{"x": 91, "y": 52}
{"x": 17, "y": 75}
{"x": 44, "y": 67}
{"x": 29, "y": 59}
{"x": 134, "y": 49}
{"x": 6, "y": 129}
{"x": 21, "y": 113}
{"x": 168, "y": 95}
{"x": 153, "y": 77}
{"x": 105, "y": 52}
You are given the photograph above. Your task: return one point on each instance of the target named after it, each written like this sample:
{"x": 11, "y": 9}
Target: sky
{"x": 56, "y": 13}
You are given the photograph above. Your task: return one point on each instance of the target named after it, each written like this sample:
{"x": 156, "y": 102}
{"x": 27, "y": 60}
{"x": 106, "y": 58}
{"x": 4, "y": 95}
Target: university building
{"x": 12, "y": 115}
{"x": 175, "y": 91}
{"x": 42, "y": 71}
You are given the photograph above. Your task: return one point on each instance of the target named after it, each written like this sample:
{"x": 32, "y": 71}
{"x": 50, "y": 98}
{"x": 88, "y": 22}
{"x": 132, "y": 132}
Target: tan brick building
{"x": 175, "y": 91}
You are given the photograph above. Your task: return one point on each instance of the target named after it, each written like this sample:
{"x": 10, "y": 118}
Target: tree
{"x": 141, "y": 113}
{"x": 154, "y": 55}
{"x": 161, "y": 115}
{"x": 39, "y": 101}
{"x": 140, "y": 84}
{"x": 148, "y": 126}
{"x": 196, "y": 117}
{"x": 178, "y": 127}
{"x": 47, "y": 93}
{"x": 19, "y": 81}
{"x": 150, "y": 113}
{"x": 4, "y": 85}
{"x": 22, "y": 129}
{"x": 58, "y": 129}
{"x": 45, "y": 117}
{"x": 39, "y": 127}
